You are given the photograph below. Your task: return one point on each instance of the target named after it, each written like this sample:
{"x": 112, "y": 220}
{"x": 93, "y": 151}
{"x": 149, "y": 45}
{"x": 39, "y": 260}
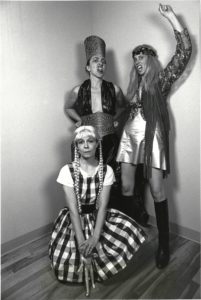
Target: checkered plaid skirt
{"x": 121, "y": 237}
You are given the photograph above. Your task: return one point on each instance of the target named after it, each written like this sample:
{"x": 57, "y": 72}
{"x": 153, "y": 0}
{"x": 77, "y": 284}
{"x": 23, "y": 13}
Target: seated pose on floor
{"x": 88, "y": 240}
{"x": 145, "y": 136}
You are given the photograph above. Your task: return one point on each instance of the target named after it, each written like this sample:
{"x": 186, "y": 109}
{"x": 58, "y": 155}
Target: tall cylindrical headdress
{"x": 94, "y": 45}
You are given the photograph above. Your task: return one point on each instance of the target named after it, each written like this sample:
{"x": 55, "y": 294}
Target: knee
{"x": 127, "y": 189}
{"x": 158, "y": 195}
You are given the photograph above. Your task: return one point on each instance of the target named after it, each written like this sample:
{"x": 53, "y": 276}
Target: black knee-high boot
{"x": 127, "y": 205}
{"x": 131, "y": 208}
{"x": 162, "y": 220}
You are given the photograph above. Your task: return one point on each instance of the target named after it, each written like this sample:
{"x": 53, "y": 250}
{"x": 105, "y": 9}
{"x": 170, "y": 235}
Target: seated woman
{"x": 89, "y": 240}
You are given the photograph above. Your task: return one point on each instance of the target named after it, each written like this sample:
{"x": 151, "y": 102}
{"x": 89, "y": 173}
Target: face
{"x": 87, "y": 146}
{"x": 140, "y": 62}
{"x": 97, "y": 66}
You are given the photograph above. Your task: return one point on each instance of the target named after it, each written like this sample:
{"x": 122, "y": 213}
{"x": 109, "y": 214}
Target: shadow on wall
{"x": 111, "y": 72}
{"x": 54, "y": 192}
{"x": 81, "y": 63}
{"x": 173, "y": 180}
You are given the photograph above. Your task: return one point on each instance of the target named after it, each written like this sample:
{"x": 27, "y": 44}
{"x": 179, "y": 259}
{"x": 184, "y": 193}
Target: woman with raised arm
{"x": 145, "y": 136}
{"x": 88, "y": 240}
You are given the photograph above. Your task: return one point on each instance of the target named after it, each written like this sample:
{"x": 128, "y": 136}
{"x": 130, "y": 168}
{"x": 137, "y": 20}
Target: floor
{"x": 27, "y": 275}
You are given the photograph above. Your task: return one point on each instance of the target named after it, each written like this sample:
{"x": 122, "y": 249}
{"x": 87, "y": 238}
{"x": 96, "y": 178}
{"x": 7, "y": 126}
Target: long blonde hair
{"x": 149, "y": 78}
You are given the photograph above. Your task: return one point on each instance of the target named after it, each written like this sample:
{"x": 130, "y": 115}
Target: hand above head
{"x": 166, "y": 11}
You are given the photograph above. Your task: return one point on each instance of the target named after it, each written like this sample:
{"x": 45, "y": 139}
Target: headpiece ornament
{"x": 94, "y": 45}
{"x": 145, "y": 49}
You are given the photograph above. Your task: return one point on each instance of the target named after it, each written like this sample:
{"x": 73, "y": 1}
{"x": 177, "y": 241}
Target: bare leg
{"x": 157, "y": 185}
{"x": 128, "y": 178}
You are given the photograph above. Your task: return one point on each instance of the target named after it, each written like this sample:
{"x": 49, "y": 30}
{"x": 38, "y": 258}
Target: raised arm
{"x": 69, "y": 106}
{"x": 178, "y": 63}
{"x": 167, "y": 12}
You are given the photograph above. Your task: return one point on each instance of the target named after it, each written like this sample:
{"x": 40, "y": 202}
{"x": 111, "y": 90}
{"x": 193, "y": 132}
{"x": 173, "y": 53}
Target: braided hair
{"x": 79, "y": 132}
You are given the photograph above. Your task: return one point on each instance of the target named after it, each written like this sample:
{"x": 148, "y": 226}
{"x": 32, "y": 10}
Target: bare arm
{"x": 180, "y": 59}
{"x": 75, "y": 217}
{"x": 181, "y": 33}
{"x": 89, "y": 244}
{"x": 167, "y": 12}
{"x": 103, "y": 203}
{"x": 69, "y": 110}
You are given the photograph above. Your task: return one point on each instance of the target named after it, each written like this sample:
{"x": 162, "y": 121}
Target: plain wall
{"x": 43, "y": 58}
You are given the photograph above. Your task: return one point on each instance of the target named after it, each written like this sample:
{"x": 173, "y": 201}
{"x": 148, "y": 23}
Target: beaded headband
{"x": 144, "y": 49}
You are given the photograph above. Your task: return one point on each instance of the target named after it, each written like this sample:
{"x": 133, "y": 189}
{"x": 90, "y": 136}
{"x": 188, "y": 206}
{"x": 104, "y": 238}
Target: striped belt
{"x": 101, "y": 121}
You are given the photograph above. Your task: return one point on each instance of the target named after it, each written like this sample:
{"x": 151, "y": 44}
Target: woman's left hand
{"x": 166, "y": 11}
{"x": 87, "y": 246}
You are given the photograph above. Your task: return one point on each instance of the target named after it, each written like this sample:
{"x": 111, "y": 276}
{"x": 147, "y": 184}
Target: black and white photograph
{"x": 100, "y": 149}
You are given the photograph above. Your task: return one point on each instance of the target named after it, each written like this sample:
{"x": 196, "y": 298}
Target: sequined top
{"x": 171, "y": 73}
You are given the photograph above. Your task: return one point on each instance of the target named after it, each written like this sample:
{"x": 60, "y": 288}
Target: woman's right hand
{"x": 166, "y": 11}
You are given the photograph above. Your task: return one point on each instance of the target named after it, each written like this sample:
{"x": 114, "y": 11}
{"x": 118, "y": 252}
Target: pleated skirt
{"x": 121, "y": 237}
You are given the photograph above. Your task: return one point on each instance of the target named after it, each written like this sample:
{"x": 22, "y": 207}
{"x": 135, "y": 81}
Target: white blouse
{"x": 66, "y": 179}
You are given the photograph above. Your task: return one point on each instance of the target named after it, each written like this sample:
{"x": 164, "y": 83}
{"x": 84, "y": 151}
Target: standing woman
{"x": 100, "y": 103}
{"x": 89, "y": 240}
{"x": 145, "y": 136}
{"x": 97, "y": 102}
